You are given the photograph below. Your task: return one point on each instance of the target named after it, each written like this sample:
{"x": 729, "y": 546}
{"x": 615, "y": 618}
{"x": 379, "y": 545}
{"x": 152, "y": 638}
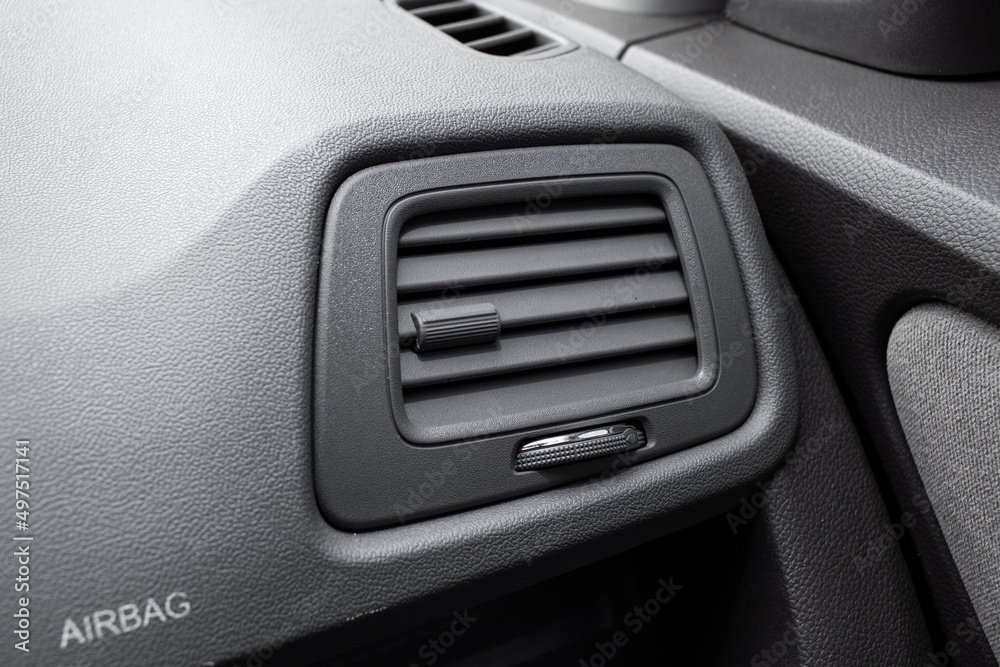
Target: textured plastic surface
{"x": 825, "y": 576}
{"x": 659, "y": 7}
{"x": 878, "y": 191}
{"x": 163, "y": 217}
{"x": 916, "y": 37}
{"x": 578, "y": 446}
{"x": 381, "y": 472}
{"x": 605, "y": 31}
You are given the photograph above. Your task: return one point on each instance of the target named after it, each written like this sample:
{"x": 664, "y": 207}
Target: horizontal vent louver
{"x": 486, "y": 30}
{"x": 584, "y": 290}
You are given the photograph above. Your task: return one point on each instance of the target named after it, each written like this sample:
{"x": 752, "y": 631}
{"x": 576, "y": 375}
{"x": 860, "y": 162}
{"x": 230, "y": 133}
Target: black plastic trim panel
{"x": 878, "y": 192}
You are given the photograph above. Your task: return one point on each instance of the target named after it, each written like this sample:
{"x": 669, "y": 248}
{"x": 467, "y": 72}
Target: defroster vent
{"x": 539, "y": 307}
{"x": 487, "y": 30}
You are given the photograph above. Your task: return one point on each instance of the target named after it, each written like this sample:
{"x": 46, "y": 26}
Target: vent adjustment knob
{"x": 455, "y": 327}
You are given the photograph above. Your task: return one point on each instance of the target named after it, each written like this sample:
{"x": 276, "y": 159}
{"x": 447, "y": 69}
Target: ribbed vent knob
{"x": 454, "y": 327}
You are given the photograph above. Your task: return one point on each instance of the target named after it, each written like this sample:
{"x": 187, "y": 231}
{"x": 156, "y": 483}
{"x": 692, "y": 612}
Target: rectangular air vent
{"x": 486, "y": 30}
{"x": 564, "y": 297}
{"x": 589, "y": 293}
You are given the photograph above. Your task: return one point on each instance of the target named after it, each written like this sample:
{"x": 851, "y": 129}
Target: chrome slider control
{"x": 579, "y": 446}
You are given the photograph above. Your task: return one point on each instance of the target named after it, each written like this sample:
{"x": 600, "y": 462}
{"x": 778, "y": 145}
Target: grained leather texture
{"x": 916, "y": 37}
{"x": 167, "y": 170}
{"x": 850, "y": 597}
{"x": 825, "y": 582}
{"x": 877, "y": 191}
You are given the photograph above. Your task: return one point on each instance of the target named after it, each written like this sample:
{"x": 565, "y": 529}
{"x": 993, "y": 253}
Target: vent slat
{"x": 456, "y": 270}
{"x": 538, "y": 49}
{"x": 513, "y": 220}
{"x": 431, "y": 12}
{"x": 587, "y": 290}
{"x": 497, "y": 41}
{"x": 486, "y": 30}
{"x": 466, "y": 30}
{"x": 562, "y": 389}
{"x": 553, "y": 302}
{"x": 549, "y": 346}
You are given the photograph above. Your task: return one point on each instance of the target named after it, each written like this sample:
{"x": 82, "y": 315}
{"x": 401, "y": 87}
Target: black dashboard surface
{"x": 167, "y": 174}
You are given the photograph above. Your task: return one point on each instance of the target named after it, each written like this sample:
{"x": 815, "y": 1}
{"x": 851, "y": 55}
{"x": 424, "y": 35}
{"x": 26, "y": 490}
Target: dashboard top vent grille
{"x": 540, "y": 308}
{"x": 487, "y": 30}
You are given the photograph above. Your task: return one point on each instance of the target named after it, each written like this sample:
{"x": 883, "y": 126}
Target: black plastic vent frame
{"x": 587, "y": 288}
{"x": 487, "y": 30}
{"x": 383, "y": 459}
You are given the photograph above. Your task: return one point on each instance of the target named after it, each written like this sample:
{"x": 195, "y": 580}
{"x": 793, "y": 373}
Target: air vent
{"x": 486, "y": 30}
{"x": 541, "y": 307}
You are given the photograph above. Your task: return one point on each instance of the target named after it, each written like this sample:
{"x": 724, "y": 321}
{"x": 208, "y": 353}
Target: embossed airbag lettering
{"x": 106, "y": 623}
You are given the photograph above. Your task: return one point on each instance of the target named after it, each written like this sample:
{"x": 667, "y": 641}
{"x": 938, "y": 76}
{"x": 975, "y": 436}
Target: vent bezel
{"x": 679, "y": 227}
{"x": 368, "y": 474}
